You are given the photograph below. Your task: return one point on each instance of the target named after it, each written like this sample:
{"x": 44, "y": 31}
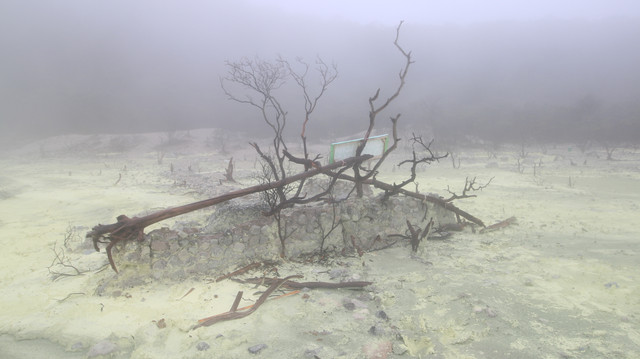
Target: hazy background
{"x": 498, "y": 70}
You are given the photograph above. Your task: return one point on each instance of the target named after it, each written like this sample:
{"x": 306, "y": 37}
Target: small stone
{"x": 202, "y": 346}
{"x": 399, "y": 348}
{"x": 311, "y": 353}
{"x": 382, "y": 315}
{"x": 254, "y": 230}
{"x": 257, "y": 348}
{"x": 379, "y": 350}
{"x": 184, "y": 256}
{"x": 265, "y": 231}
{"x": 491, "y": 313}
{"x": 102, "y": 348}
{"x": 159, "y": 265}
{"x": 336, "y": 273}
{"x": 159, "y": 245}
{"x": 348, "y": 305}
{"x": 204, "y": 246}
{"x": 238, "y": 247}
{"x": 358, "y": 303}
{"x": 361, "y": 314}
{"x": 377, "y": 330}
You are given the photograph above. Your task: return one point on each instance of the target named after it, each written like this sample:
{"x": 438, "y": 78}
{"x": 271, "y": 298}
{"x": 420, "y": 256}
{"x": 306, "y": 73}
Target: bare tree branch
{"x": 374, "y": 111}
{"x": 470, "y": 185}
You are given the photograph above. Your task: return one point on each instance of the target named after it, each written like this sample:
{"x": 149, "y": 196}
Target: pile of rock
{"x": 238, "y": 233}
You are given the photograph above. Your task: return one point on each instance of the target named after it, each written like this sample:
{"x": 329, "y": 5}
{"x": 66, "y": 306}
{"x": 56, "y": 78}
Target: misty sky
{"x": 455, "y": 11}
{"x": 122, "y": 66}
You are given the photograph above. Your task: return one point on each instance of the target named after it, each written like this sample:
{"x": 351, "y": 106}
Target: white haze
{"x": 555, "y": 71}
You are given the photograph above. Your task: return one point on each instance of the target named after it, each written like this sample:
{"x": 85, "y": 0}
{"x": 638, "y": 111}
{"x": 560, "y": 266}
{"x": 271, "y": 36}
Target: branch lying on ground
{"x": 502, "y": 224}
{"x": 129, "y": 228}
{"x": 234, "y": 314}
{"x": 61, "y": 265}
{"x": 427, "y": 198}
{"x": 239, "y": 271}
{"x": 311, "y": 285}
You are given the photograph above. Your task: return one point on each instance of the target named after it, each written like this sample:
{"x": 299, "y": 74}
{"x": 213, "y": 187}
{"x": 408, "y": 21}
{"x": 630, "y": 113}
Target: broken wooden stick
{"x": 239, "y": 271}
{"x": 418, "y": 234}
{"x": 239, "y": 295}
{"x": 499, "y": 225}
{"x": 233, "y": 313}
{"x": 311, "y": 285}
{"x": 229, "y": 171}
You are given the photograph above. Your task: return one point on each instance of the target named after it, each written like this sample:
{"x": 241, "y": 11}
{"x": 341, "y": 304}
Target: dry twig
{"x": 311, "y": 285}
{"x": 233, "y": 313}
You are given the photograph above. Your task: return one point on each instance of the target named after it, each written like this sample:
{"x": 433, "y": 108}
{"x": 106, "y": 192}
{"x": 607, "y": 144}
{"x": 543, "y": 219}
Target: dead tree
{"x": 280, "y": 189}
{"x": 609, "y": 149}
{"x": 374, "y": 110}
{"x": 133, "y": 228}
{"x": 262, "y": 79}
{"x": 424, "y": 155}
{"x": 327, "y": 76}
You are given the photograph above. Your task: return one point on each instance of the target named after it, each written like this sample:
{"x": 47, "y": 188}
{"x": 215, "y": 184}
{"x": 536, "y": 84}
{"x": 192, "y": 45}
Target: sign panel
{"x": 376, "y": 146}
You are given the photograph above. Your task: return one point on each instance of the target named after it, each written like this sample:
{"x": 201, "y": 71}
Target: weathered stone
{"x": 103, "y": 347}
{"x": 254, "y": 230}
{"x": 255, "y": 349}
{"x": 202, "y": 346}
{"x": 238, "y": 233}
{"x": 184, "y": 257}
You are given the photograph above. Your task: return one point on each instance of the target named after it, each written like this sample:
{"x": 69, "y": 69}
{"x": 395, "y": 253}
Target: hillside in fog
{"x": 75, "y": 67}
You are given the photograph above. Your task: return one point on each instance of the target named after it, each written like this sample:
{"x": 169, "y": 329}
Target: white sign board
{"x": 376, "y": 145}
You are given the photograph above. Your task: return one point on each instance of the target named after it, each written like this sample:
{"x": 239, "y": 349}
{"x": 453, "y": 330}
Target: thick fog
{"x": 138, "y": 66}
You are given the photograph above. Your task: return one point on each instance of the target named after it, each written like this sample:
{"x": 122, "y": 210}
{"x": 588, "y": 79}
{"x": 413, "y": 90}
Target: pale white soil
{"x": 564, "y": 282}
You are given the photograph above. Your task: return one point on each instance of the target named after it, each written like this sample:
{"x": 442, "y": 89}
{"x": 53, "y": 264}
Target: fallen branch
{"x": 60, "y": 263}
{"x": 187, "y": 293}
{"x": 427, "y": 198}
{"x": 239, "y": 271}
{"x": 311, "y": 285}
{"x": 418, "y": 234}
{"x": 129, "y": 228}
{"x": 239, "y": 296}
{"x": 499, "y": 225}
{"x": 233, "y": 313}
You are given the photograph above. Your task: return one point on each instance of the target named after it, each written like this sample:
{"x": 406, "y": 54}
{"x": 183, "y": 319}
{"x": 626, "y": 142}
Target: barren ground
{"x": 562, "y": 283}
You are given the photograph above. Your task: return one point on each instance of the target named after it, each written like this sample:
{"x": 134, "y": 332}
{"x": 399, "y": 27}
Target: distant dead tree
{"x": 609, "y": 148}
